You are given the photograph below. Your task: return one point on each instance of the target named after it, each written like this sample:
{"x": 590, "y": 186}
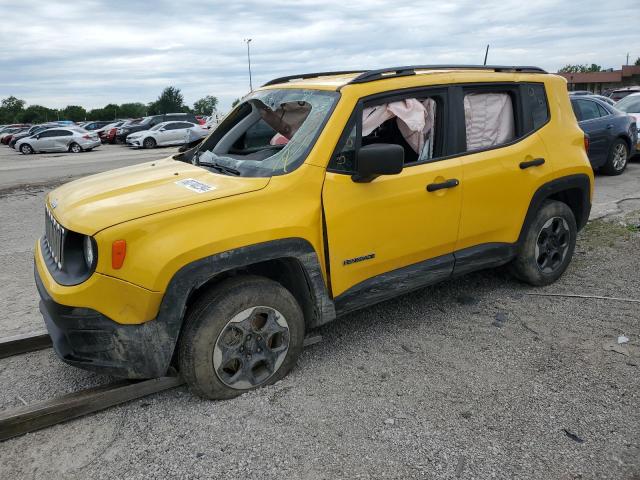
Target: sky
{"x": 90, "y": 53}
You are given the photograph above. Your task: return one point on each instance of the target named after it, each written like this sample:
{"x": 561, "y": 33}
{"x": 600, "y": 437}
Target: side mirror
{"x": 378, "y": 159}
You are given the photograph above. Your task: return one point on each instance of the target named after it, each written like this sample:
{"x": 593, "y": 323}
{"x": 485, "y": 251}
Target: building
{"x": 597, "y": 82}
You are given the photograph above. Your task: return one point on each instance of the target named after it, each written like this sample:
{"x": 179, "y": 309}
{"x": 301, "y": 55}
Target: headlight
{"x": 89, "y": 254}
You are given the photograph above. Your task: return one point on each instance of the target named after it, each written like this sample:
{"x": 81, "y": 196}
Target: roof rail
{"x": 303, "y": 76}
{"x": 372, "y": 75}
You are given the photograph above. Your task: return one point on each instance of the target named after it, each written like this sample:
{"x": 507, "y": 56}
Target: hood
{"x": 94, "y": 203}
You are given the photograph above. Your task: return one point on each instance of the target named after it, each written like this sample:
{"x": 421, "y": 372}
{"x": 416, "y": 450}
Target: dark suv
{"x": 147, "y": 122}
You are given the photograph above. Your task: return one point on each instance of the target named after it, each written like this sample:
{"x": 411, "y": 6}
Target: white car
{"x": 631, "y": 106}
{"x": 73, "y": 139}
{"x": 167, "y": 133}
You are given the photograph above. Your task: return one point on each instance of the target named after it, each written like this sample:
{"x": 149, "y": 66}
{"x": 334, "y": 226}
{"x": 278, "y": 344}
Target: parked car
{"x": 631, "y": 106}
{"x": 368, "y": 186}
{"x": 91, "y": 126}
{"x": 167, "y": 133}
{"x": 147, "y": 122}
{"x": 32, "y": 131}
{"x": 580, "y": 92}
{"x": 620, "y": 93}
{"x": 11, "y": 129}
{"x": 604, "y": 99}
{"x": 612, "y": 134}
{"x": 6, "y": 137}
{"x": 107, "y": 133}
{"x": 71, "y": 139}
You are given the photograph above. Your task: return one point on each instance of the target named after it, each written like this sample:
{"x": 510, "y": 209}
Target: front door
{"x": 394, "y": 233}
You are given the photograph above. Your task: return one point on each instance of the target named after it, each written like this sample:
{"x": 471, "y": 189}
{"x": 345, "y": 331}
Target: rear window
{"x": 489, "y": 119}
{"x": 536, "y": 104}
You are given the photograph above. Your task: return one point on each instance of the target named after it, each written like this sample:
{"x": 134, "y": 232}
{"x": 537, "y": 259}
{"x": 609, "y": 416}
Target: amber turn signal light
{"x": 118, "y": 252}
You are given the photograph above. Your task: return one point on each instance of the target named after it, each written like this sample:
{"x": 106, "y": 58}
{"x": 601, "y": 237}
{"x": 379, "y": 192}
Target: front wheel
{"x": 617, "y": 158}
{"x": 149, "y": 143}
{"x": 548, "y": 245}
{"x": 247, "y": 332}
{"x": 26, "y": 149}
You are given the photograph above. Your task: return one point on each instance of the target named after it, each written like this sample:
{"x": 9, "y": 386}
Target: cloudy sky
{"x": 57, "y": 52}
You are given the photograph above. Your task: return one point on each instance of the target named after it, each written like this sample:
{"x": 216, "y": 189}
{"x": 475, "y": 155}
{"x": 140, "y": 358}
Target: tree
{"x": 75, "y": 113}
{"x": 206, "y": 105}
{"x": 131, "y": 110}
{"x": 580, "y": 68}
{"x": 10, "y": 109}
{"x": 37, "y": 114}
{"x": 170, "y": 100}
{"x": 235, "y": 102}
{"x": 637, "y": 62}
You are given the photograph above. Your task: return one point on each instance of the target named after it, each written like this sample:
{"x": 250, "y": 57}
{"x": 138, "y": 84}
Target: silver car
{"x": 70, "y": 139}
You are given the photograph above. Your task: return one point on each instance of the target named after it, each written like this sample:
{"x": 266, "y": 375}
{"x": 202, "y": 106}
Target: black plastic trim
{"x": 74, "y": 269}
{"x": 479, "y": 257}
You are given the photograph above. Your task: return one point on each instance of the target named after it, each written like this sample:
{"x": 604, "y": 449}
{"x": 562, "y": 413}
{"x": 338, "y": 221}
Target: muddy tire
{"x": 617, "y": 158}
{"x": 247, "y": 332}
{"x": 547, "y": 246}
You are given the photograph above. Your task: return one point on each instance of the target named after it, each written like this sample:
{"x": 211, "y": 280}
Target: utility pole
{"x": 627, "y": 58}
{"x": 486, "y": 54}
{"x": 248, "y": 41}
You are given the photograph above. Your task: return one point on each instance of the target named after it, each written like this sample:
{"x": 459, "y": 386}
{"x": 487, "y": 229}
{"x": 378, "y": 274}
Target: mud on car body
{"x": 317, "y": 195}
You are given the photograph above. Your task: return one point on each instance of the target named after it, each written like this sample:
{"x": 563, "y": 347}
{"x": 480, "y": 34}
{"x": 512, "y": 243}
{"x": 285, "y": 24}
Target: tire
{"x": 617, "y": 158}
{"x": 26, "y": 149}
{"x": 149, "y": 143}
{"x": 75, "y": 148}
{"x": 245, "y": 333}
{"x": 548, "y": 244}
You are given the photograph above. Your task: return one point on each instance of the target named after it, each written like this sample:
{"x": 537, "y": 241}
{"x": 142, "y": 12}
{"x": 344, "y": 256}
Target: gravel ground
{"x": 472, "y": 378}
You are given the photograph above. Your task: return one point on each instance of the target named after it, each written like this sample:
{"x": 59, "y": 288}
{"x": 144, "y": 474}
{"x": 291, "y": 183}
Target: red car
{"x": 9, "y": 131}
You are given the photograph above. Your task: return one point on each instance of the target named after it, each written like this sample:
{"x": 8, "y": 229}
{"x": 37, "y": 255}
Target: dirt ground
{"x": 472, "y": 378}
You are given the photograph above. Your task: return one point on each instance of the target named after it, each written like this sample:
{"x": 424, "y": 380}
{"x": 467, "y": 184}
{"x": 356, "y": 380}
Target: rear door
{"x": 504, "y": 162}
{"x": 594, "y": 125}
{"x": 391, "y": 234}
{"x": 61, "y": 140}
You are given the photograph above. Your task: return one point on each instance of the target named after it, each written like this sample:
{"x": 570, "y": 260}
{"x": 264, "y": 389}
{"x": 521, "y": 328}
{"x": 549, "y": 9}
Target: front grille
{"x": 54, "y": 235}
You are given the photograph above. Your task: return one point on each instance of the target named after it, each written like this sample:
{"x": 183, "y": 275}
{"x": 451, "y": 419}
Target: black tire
{"x": 202, "y": 339}
{"x": 75, "y": 148}
{"x": 617, "y": 158}
{"x": 545, "y": 254}
{"x": 149, "y": 143}
{"x": 26, "y": 149}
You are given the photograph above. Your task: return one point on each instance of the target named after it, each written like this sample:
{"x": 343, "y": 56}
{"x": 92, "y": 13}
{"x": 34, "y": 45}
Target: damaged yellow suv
{"x": 317, "y": 195}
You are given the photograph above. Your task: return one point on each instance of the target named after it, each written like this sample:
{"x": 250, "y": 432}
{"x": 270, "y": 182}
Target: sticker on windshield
{"x": 195, "y": 185}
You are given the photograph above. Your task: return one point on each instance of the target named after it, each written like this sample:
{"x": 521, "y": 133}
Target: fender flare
{"x": 580, "y": 182}
{"x": 195, "y": 274}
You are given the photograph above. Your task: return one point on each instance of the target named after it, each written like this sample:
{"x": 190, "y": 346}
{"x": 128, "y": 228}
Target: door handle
{"x": 609, "y": 127}
{"x": 536, "y": 162}
{"x": 453, "y": 182}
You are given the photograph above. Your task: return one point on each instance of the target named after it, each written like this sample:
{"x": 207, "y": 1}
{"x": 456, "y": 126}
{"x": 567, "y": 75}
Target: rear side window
{"x": 535, "y": 104}
{"x": 603, "y": 111}
{"x": 489, "y": 119}
{"x": 587, "y": 110}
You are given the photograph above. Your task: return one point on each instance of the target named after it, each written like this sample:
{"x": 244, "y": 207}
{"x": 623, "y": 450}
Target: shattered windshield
{"x": 269, "y": 133}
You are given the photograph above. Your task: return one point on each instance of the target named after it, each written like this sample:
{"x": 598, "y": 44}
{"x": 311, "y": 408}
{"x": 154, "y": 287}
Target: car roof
{"x": 337, "y": 80}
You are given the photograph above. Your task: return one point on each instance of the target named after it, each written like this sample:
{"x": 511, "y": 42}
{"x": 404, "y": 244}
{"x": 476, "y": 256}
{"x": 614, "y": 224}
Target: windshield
{"x": 270, "y": 133}
{"x": 629, "y": 104}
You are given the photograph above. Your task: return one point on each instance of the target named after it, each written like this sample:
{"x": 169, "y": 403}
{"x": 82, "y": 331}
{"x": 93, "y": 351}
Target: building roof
{"x": 602, "y": 77}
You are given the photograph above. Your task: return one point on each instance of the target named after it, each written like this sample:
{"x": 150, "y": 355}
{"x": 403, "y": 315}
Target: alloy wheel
{"x": 619, "y": 156}
{"x": 251, "y": 347}
{"x": 552, "y": 244}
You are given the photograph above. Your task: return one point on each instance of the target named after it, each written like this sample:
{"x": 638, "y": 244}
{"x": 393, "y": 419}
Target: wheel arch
{"x": 292, "y": 262}
{"x": 573, "y": 190}
{"x": 627, "y": 140}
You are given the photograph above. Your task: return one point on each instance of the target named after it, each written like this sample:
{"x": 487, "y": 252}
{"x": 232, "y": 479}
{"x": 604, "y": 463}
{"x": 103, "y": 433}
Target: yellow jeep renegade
{"x": 317, "y": 195}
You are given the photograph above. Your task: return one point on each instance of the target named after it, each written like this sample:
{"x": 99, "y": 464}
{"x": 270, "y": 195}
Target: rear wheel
{"x": 75, "y": 148}
{"x": 617, "y": 159}
{"x": 548, "y": 245}
{"x": 245, "y": 333}
{"x": 26, "y": 149}
{"x": 149, "y": 143}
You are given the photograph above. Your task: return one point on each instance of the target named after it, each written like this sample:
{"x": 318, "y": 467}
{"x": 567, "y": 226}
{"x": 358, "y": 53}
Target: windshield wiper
{"x": 222, "y": 168}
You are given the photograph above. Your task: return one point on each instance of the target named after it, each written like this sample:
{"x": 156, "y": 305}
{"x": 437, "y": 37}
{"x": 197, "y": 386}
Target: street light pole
{"x": 248, "y": 41}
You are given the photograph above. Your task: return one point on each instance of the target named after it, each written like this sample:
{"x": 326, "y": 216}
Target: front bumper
{"x": 134, "y": 142}
{"x": 85, "y": 338}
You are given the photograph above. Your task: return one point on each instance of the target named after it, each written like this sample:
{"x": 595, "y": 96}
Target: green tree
{"x": 580, "y": 68}
{"x": 170, "y": 100}
{"x": 75, "y": 113}
{"x": 235, "y": 102}
{"x": 206, "y": 105}
{"x": 97, "y": 114}
{"x": 637, "y": 62}
{"x": 131, "y": 110}
{"x": 10, "y": 109}
{"x": 37, "y": 114}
